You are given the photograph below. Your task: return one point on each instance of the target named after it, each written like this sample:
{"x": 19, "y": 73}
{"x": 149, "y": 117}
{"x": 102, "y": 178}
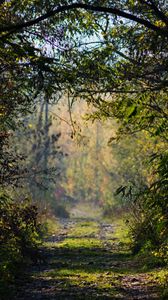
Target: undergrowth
{"x": 19, "y": 239}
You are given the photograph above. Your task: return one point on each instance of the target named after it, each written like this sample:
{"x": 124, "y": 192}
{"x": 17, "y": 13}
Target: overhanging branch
{"x": 110, "y": 10}
{"x": 158, "y": 12}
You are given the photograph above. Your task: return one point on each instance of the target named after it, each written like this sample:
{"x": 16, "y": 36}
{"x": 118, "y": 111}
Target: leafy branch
{"x": 102, "y": 9}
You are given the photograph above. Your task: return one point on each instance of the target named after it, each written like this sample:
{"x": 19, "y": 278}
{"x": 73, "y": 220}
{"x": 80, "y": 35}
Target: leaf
{"x": 131, "y": 111}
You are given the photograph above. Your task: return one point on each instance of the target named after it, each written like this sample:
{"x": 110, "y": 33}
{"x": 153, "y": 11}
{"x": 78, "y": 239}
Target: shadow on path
{"x": 77, "y": 272}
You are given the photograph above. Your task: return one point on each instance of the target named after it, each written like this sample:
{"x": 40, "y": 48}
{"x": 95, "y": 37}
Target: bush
{"x": 150, "y": 212}
{"x": 19, "y": 237}
{"x": 149, "y": 230}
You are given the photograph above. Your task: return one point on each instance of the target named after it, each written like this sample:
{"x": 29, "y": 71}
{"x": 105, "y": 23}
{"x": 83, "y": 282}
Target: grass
{"x": 84, "y": 262}
{"x": 94, "y": 261}
{"x": 80, "y": 243}
{"x": 51, "y": 226}
{"x": 84, "y": 229}
{"x": 81, "y": 262}
{"x": 122, "y": 231}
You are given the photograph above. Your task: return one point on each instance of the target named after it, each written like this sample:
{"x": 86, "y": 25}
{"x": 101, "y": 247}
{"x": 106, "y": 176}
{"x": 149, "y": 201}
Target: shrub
{"x": 19, "y": 237}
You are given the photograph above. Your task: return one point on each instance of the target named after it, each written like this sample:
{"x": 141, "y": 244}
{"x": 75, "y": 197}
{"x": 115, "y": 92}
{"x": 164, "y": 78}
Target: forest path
{"x": 87, "y": 260}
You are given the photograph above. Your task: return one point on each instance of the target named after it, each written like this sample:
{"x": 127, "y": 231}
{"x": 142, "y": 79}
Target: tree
{"x": 111, "y": 53}
{"x": 128, "y": 54}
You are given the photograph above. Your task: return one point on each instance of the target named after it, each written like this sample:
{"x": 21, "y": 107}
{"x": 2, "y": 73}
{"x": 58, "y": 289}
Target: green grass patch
{"x": 121, "y": 231}
{"x": 84, "y": 229}
{"x": 97, "y": 283}
{"x": 50, "y": 226}
{"x": 80, "y": 243}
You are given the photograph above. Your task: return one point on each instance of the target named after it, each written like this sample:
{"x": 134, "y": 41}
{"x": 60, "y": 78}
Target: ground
{"x": 88, "y": 258}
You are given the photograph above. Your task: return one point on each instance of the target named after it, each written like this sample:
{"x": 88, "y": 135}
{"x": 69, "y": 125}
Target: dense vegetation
{"x": 19, "y": 238}
{"x": 111, "y": 55}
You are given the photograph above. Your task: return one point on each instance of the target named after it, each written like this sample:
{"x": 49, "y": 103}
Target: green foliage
{"x": 142, "y": 190}
{"x": 150, "y": 228}
{"x": 19, "y": 237}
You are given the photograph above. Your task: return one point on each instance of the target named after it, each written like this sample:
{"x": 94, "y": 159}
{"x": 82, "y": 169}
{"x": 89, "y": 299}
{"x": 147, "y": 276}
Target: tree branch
{"x": 158, "y": 12}
{"x": 110, "y": 10}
